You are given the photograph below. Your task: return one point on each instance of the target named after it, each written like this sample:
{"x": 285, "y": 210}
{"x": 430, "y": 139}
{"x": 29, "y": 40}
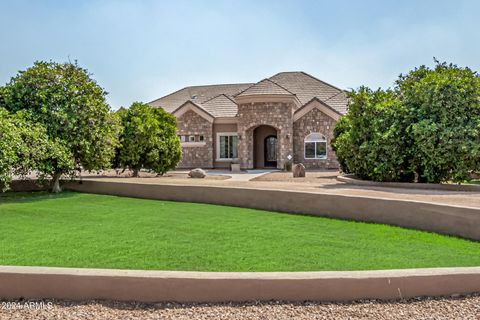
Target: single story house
{"x": 287, "y": 117}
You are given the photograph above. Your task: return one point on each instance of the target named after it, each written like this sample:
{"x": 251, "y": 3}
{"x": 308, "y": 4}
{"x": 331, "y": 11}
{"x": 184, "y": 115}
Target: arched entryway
{"x": 265, "y": 147}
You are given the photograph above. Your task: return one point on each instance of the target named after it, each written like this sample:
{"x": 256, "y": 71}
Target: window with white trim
{"x": 227, "y": 146}
{"x": 315, "y": 146}
{"x": 191, "y": 138}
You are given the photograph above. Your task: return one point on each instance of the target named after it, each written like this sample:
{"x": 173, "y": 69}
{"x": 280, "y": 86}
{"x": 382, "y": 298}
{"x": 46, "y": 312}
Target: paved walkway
{"x": 241, "y": 176}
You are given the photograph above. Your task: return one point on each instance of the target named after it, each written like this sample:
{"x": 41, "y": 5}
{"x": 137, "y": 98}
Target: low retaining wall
{"x": 351, "y": 179}
{"x": 156, "y": 286}
{"x": 445, "y": 219}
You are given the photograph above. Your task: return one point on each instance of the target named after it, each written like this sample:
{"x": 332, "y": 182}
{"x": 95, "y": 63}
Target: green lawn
{"x": 83, "y": 230}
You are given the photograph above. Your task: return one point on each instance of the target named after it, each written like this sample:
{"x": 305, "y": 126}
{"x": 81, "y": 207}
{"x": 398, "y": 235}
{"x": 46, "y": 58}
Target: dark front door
{"x": 270, "y": 148}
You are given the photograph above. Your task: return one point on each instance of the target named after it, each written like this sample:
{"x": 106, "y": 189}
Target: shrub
{"x": 426, "y": 129}
{"x": 148, "y": 139}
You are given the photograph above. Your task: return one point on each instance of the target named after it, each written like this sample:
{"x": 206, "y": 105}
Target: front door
{"x": 270, "y": 148}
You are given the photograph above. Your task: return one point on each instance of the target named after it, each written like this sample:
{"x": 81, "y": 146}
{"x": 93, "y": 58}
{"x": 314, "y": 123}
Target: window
{"x": 315, "y": 146}
{"x": 191, "y": 138}
{"x": 201, "y": 138}
{"x": 182, "y": 138}
{"x": 227, "y": 146}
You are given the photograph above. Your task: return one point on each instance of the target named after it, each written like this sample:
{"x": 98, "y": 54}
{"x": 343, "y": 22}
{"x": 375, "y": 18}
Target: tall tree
{"x": 72, "y": 107}
{"x": 148, "y": 140}
{"x": 426, "y": 129}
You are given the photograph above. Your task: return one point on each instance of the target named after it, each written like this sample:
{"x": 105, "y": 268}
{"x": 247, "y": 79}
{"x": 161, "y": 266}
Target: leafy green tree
{"x": 444, "y": 122}
{"x": 426, "y": 129}
{"x": 26, "y": 147}
{"x": 148, "y": 140}
{"x": 72, "y": 107}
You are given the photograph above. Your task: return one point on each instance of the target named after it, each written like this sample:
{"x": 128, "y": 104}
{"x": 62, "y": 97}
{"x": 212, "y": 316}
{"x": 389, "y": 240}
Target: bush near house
{"x": 71, "y": 106}
{"x": 148, "y": 139}
{"x": 425, "y": 129}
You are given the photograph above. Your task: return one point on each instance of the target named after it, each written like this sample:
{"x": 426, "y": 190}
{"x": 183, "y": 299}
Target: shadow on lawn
{"x": 34, "y": 196}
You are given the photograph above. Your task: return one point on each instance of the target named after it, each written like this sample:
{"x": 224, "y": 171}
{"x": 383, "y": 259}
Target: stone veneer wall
{"x": 314, "y": 121}
{"x": 276, "y": 114}
{"x": 201, "y": 155}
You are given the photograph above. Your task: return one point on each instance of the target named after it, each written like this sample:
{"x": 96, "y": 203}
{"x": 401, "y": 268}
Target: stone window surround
{"x": 217, "y": 142}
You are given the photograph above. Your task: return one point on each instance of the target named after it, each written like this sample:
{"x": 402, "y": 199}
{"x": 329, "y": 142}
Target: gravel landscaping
{"x": 426, "y": 308}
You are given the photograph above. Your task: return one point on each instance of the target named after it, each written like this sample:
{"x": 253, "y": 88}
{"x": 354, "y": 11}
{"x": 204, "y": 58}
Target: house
{"x": 287, "y": 117}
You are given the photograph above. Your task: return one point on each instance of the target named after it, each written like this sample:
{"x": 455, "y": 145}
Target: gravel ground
{"x": 440, "y": 308}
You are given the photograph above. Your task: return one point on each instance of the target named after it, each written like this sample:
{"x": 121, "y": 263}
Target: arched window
{"x": 315, "y": 146}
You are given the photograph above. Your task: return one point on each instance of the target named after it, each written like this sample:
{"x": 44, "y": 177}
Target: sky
{"x": 142, "y": 50}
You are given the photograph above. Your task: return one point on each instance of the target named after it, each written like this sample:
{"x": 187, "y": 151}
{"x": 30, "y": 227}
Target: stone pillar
{"x": 285, "y": 146}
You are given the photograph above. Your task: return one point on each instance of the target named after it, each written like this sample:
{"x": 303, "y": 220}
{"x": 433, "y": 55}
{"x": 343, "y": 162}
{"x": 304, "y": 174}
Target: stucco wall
{"x": 276, "y": 114}
{"x": 201, "y": 155}
{"x": 314, "y": 121}
{"x": 155, "y": 286}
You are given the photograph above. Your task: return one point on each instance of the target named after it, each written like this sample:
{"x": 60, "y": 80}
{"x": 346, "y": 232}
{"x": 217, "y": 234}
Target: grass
{"x": 84, "y": 230}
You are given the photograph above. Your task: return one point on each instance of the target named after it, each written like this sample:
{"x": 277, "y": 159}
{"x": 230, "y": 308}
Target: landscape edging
{"x": 178, "y": 286}
{"x": 351, "y": 179}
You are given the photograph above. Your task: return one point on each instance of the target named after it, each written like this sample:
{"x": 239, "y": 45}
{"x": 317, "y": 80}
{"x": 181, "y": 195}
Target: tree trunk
{"x": 136, "y": 173}
{"x": 56, "y": 182}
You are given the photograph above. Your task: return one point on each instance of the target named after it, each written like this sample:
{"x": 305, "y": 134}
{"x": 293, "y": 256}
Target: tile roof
{"x": 219, "y": 100}
{"x": 265, "y": 86}
{"x": 305, "y": 86}
{"x": 197, "y": 94}
{"x": 221, "y": 106}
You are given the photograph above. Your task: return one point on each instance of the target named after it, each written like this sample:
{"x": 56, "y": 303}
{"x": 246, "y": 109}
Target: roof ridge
{"x": 321, "y": 101}
{"x": 336, "y": 94}
{"x": 266, "y": 79}
{"x": 216, "y": 85}
{"x": 281, "y": 86}
{"x": 167, "y": 95}
{"x": 218, "y": 95}
{"x": 202, "y": 85}
{"x": 315, "y": 78}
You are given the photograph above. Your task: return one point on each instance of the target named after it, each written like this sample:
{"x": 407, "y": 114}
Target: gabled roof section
{"x": 305, "y": 86}
{"x": 221, "y": 106}
{"x": 319, "y": 104}
{"x": 195, "y": 107}
{"x": 197, "y": 94}
{"x": 265, "y": 87}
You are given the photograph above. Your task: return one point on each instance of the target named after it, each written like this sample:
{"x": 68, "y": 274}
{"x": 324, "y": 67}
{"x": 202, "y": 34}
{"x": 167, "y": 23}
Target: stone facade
{"x": 198, "y": 154}
{"x": 314, "y": 121}
{"x": 278, "y": 115}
